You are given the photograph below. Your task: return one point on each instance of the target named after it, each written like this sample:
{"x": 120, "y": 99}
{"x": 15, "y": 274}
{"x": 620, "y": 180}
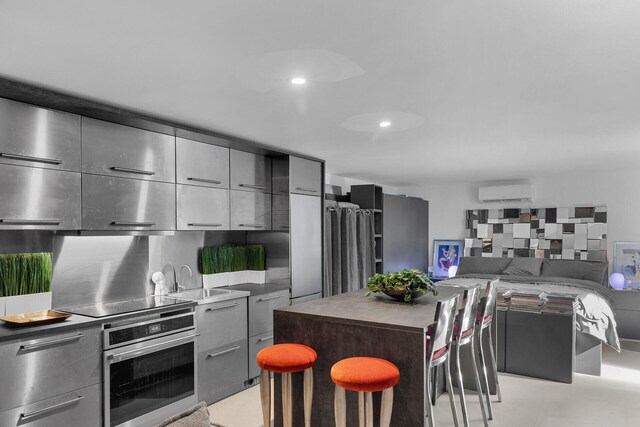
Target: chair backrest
{"x": 470, "y": 310}
{"x": 444, "y": 318}
{"x": 488, "y": 303}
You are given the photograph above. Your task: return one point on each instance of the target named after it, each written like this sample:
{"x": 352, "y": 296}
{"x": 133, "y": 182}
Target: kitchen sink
{"x": 208, "y": 295}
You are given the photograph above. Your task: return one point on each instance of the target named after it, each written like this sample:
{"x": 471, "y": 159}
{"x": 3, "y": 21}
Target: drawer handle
{"x": 269, "y": 298}
{"x": 40, "y": 344}
{"x": 269, "y": 338}
{"x": 209, "y": 181}
{"x": 136, "y": 171}
{"x": 257, "y": 187}
{"x": 8, "y": 221}
{"x": 222, "y": 306}
{"x": 31, "y": 158}
{"x": 203, "y": 224}
{"x": 132, "y": 224}
{"x": 252, "y": 225}
{"x": 310, "y": 190}
{"x": 25, "y": 416}
{"x": 220, "y": 353}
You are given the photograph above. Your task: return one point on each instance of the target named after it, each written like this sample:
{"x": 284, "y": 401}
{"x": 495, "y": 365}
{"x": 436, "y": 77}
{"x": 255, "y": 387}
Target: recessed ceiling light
{"x": 384, "y": 124}
{"x": 298, "y": 80}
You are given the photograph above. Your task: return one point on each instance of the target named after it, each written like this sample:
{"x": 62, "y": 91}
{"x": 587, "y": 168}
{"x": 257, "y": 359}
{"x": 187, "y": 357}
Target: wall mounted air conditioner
{"x": 506, "y": 193}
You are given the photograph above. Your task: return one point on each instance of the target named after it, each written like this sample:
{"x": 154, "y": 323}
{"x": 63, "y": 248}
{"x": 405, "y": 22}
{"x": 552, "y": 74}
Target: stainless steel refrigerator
{"x": 305, "y": 247}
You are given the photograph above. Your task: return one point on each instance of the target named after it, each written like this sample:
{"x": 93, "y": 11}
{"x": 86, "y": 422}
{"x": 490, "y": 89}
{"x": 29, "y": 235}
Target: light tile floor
{"x": 611, "y": 400}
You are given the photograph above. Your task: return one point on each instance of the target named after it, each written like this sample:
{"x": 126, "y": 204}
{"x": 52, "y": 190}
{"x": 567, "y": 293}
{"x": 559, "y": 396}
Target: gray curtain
{"x": 349, "y": 247}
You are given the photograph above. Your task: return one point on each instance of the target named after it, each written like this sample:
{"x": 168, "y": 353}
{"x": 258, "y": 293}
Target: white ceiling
{"x": 506, "y": 89}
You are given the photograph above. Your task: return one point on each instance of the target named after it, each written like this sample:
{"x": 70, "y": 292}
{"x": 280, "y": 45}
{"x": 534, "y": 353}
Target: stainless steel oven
{"x": 150, "y": 370}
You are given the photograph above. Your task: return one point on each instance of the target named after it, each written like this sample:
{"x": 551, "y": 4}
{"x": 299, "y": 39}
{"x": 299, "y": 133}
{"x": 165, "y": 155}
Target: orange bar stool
{"x": 364, "y": 375}
{"x": 286, "y": 359}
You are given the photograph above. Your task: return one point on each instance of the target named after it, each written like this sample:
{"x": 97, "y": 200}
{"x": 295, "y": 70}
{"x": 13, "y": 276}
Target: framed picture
{"x": 446, "y": 254}
{"x": 626, "y": 261}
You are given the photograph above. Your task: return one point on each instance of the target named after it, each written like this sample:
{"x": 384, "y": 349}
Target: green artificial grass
{"x": 22, "y": 274}
{"x": 255, "y": 257}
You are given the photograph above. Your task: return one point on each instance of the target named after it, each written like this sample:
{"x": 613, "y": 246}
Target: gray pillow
{"x": 524, "y": 267}
{"x": 595, "y": 271}
{"x": 482, "y": 265}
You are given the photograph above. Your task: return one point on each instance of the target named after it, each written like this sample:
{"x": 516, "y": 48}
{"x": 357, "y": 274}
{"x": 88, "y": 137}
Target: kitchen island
{"x": 350, "y": 325}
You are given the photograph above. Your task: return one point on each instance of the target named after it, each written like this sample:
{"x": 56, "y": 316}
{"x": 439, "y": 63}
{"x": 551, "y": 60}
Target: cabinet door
{"x": 221, "y": 322}
{"x": 201, "y": 164}
{"x": 306, "y": 176}
{"x": 48, "y": 365}
{"x": 250, "y": 172}
{"x": 222, "y": 371}
{"x": 261, "y": 310}
{"x": 280, "y": 212}
{"x": 250, "y": 211}
{"x": 78, "y": 408}
{"x": 110, "y": 203}
{"x": 256, "y": 344}
{"x": 306, "y": 245}
{"x": 37, "y": 137}
{"x": 35, "y": 198}
{"x": 201, "y": 208}
{"x": 116, "y": 150}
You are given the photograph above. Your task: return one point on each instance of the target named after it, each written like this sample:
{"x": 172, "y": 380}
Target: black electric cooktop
{"x": 112, "y": 308}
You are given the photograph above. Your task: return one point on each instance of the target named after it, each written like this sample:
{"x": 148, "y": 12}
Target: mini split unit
{"x": 506, "y": 193}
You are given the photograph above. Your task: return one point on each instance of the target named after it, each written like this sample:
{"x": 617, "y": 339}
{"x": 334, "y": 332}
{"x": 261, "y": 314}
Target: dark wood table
{"x": 350, "y": 325}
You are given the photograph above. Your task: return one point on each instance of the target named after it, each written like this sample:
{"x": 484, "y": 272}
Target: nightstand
{"x": 626, "y": 307}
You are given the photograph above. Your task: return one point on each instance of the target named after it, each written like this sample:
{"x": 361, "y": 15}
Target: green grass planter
{"x": 232, "y": 264}
{"x": 25, "y": 282}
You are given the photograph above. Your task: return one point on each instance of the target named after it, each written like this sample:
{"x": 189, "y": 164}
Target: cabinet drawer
{"x": 201, "y": 208}
{"x": 201, "y": 164}
{"x": 306, "y": 176}
{"x": 221, "y": 322}
{"x": 110, "y": 203}
{"x": 250, "y": 172}
{"x": 77, "y": 408}
{"x": 116, "y": 150}
{"x": 256, "y": 344}
{"x": 261, "y": 311}
{"x": 222, "y": 371}
{"x": 35, "y": 198}
{"x": 38, "y": 137}
{"x": 250, "y": 211}
{"x": 38, "y": 368}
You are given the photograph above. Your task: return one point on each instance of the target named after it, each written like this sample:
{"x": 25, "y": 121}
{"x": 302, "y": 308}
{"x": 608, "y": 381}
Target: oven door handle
{"x": 125, "y": 355}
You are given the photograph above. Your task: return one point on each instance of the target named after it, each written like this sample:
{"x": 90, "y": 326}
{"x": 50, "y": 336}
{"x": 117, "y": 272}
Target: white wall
{"x": 618, "y": 190}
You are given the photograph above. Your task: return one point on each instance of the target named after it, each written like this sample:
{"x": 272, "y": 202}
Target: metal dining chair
{"x": 438, "y": 347}
{"x": 484, "y": 320}
{"x": 462, "y": 336}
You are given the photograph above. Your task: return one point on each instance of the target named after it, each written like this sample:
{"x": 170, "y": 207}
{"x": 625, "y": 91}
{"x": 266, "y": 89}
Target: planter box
{"x": 25, "y": 303}
{"x": 215, "y": 280}
{"x": 237, "y": 277}
{"x": 255, "y": 276}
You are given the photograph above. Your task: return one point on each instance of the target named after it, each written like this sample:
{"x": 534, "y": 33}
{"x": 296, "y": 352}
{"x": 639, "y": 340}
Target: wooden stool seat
{"x": 286, "y": 358}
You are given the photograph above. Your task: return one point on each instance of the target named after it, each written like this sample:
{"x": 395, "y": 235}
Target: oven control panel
{"x": 145, "y": 330}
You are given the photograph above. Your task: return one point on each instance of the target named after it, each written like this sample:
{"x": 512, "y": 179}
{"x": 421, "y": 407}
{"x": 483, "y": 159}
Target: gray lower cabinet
{"x": 201, "y": 164}
{"x": 256, "y": 344}
{"x": 222, "y": 344}
{"x": 78, "y": 408}
{"x": 250, "y": 211}
{"x": 42, "y": 199}
{"x": 249, "y": 172}
{"x": 201, "y": 208}
{"x": 54, "y": 377}
{"x": 111, "y": 203}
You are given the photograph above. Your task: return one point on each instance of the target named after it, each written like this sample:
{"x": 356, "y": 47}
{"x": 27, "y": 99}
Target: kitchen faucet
{"x": 176, "y": 277}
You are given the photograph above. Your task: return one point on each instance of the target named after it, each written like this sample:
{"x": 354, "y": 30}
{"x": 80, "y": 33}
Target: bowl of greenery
{"x": 403, "y": 285}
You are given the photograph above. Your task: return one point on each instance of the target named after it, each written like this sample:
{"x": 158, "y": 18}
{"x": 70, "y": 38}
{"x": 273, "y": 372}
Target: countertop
{"x": 256, "y": 289}
{"x": 10, "y": 332}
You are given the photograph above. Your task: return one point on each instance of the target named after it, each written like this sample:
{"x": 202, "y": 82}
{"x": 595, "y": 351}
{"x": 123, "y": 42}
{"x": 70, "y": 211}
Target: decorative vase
{"x": 215, "y": 280}
{"x": 19, "y": 304}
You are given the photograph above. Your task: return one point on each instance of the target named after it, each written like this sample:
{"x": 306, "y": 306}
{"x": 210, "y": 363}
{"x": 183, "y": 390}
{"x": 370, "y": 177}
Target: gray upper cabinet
{"x": 201, "y": 208}
{"x": 111, "y": 203}
{"x": 34, "y": 198}
{"x": 306, "y": 176}
{"x": 116, "y": 150}
{"x": 202, "y": 164}
{"x": 38, "y": 137}
{"x": 250, "y": 211}
{"x": 250, "y": 172}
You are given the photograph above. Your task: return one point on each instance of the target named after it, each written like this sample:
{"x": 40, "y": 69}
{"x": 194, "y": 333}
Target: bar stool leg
{"x": 428, "y": 398}
{"x": 340, "y": 407}
{"x": 452, "y": 400}
{"x": 386, "y": 407}
{"x": 368, "y": 407}
{"x": 286, "y": 400}
{"x": 308, "y": 395}
{"x": 361, "y": 408}
{"x": 495, "y": 366}
{"x": 265, "y": 397}
{"x": 463, "y": 403}
{"x": 484, "y": 378}
{"x": 476, "y": 377}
